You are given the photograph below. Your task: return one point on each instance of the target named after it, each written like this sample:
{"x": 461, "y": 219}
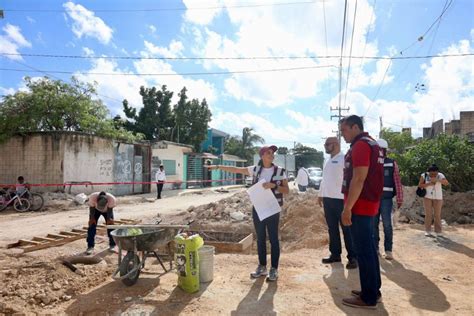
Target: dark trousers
{"x": 269, "y": 224}
{"x": 385, "y": 211}
{"x": 332, "y": 211}
{"x": 369, "y": 269}
{"x": 159, "y": 188}
{"x": 94, "y": 216}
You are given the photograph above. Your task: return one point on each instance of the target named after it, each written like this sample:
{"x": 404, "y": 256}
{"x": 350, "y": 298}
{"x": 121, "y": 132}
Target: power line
{"x": 339, "y": 109}
{"x": 237, "y": 6}
{"x": 368, "y": 33}
{"x": 421, "y": 38}
{"x": 350, "y": 53}
{"x": 170, "y": 74}
{"x": 235, "y": 57}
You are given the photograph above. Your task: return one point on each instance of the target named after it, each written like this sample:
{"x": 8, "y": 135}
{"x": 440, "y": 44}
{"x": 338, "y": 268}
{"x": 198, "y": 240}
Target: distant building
{"x": 214, "y": 142}
{"x": 462, "y": 127}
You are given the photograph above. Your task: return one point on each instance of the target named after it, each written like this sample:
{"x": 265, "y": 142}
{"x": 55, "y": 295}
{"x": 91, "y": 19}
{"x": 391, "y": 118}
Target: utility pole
{"x": 339, "y": 116}
{"x": 381, "y": 127}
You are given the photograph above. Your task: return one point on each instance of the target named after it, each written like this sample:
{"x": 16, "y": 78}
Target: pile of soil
{"x": 32, "y": 283}
{"x": 302, "y": 223}
{"x": 458, "y": 207}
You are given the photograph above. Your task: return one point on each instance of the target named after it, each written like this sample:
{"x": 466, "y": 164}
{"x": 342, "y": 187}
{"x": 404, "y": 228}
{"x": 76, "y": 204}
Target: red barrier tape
{"x": 87, "y": 183}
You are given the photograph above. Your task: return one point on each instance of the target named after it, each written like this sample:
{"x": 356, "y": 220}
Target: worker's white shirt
{"x": 302, "y": 177}
{"x": 160, "y": 175}
{"x": 333, "y": 173}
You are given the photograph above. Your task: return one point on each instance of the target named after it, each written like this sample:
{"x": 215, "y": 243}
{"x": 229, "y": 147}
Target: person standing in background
{"x": 160, "y": 180}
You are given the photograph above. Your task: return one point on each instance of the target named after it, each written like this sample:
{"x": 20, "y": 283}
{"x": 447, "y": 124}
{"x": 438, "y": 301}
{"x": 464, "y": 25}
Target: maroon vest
{"x": 277, "y": 178}
{"x": 373, "y": 184}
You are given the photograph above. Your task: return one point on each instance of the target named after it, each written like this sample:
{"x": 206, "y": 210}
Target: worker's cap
{"x": 382, "y": 143}
{"x": 102, "y": 203}
{"x": 264, "y": 149}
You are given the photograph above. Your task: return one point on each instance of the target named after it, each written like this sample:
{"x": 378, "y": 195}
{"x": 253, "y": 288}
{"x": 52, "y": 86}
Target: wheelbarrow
{"x": 147, "y": 243}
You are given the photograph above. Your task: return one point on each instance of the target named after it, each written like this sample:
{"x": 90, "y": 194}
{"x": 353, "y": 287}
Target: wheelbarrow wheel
{"x": 130, "y": 261}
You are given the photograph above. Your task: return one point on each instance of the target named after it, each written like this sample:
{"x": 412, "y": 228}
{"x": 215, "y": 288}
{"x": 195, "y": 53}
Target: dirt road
{"x": 16, "y": 226}
{"x": 428, "y": 277}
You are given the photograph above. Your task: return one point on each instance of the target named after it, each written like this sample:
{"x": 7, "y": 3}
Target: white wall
{"x": 88, "y": 158}
{"x": 169, "y": 152}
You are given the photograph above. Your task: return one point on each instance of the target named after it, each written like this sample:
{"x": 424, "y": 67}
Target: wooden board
{"x": 64, "y": 237}
{"x": 225, "y": 242}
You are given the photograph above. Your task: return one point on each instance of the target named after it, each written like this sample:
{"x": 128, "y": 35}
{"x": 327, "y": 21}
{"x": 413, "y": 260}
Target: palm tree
{"x": 244, "y": 146}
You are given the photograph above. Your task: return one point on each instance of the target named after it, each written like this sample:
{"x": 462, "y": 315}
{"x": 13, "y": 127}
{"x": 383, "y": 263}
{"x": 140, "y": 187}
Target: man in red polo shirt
{"x": 362, "y": 187}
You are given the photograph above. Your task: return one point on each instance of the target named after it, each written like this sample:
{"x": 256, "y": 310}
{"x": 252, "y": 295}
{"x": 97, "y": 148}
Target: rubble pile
{"x": 31, "y": 283}
{"x": 302, "y": 223}
{"x": 458, "y": 208}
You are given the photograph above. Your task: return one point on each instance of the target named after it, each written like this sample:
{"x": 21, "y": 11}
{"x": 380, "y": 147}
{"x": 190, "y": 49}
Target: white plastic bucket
{"x": 206, "y": 263}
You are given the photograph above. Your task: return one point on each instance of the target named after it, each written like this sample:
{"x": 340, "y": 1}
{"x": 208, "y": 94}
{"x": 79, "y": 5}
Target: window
{"x": 170, "y": 167}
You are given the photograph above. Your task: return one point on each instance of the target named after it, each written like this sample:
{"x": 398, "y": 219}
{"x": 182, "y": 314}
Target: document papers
{"x": 263, "y": 200}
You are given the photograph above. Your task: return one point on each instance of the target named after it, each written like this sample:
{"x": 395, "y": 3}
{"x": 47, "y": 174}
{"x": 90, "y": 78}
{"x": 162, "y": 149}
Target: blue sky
{"x": 283, "y": 106}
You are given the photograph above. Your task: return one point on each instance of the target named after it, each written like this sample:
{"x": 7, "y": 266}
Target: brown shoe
{"x": 357, "y": 302}
{"x": 356, "y": 293}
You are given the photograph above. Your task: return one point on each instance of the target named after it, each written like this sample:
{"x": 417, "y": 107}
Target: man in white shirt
{"x": 160, "y": 180}
{"x": 302, "y": 179}
{"x": 331, "y": 197}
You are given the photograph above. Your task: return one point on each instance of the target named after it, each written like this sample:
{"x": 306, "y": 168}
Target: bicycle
{"x": 36, "y": 200}
{"x": 20, "y": 204}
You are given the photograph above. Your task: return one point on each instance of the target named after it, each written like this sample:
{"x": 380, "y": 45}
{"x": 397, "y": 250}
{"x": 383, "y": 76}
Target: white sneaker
{"x": 439, "y": 235}
{"x": 388, "y": 255}
{"x": 428, "y": 234}
{"x": 89, "y": 250}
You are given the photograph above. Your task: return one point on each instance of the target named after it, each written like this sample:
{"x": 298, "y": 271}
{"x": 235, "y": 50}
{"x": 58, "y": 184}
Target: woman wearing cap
{"x": 433, "y": 200}
{"x": 276, "y": 180}
{"x": 100, "y": 204}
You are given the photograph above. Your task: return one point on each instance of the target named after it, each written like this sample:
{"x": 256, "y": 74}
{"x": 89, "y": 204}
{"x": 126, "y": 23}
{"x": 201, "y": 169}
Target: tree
{"x": 452, "y": 154}
{"x": 155, "y": 119}
{"x": 53, "y": 105}
{"x": 244, "y": 146}
{"x": 191, "y": 120}
{"x": 282, "y": 150}
{"x": 307, "y": 156}
{"x": 397, "y": 142}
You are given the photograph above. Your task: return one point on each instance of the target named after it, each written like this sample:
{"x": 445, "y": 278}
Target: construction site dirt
{"x": 428, "y": 275}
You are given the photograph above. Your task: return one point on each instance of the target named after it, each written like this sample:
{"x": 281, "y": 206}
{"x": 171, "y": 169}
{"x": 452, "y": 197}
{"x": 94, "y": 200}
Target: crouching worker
{"x": 275, "y": 180}
{"x": 100, "y": 203}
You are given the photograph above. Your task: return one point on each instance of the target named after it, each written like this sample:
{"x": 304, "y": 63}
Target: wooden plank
{"x": 69, "y": 233}
{"x": 147, "y": 226}
{"x": 13, "y": 245}
{"x": 28, "y": 242}
{"x": 56, "y": 236}
{"x": 43, "y": 239}
{"x": 46, "y": 245}
{"x": 75, "y": 230}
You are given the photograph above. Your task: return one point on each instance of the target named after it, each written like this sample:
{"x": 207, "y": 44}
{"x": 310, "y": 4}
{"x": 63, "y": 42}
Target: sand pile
{"x": 302, "y": 223}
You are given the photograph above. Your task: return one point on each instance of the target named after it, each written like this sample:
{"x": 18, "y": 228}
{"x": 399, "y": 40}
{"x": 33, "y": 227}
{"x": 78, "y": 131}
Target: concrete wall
{"x": 467, "y": 122}
{"x": 88, "y": 159}
{"x": 36, "y": 157}
{"x": 168, "y": 151}
{"x": 437, "y": 128}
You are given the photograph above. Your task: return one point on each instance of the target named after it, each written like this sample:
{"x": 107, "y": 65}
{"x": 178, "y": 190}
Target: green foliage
{"x": 243, "y": 146}
{"x": 186, "y": 122}
{"x": 397, "y": 142}
{"x": 307, "y": 156}
{"x": 155, "y": 119}
{"x": 452, "y": 154}
{"x": 282, "y": 150}
{"x": 53, "y": 105}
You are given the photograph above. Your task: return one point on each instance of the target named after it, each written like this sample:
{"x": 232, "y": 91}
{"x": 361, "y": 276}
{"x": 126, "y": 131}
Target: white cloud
{"x": 173, "y": 50}
{"x": 85, "y": 23}
{"x": 6, "y": 91}
{"x": 30, "y": 19}
{"x": 204, "y": 16}
{"x": 12, "y": 40}
{"x": 277, "y": 31}
{"x": 152, "y": 28}
{"x": 87, "y": 51}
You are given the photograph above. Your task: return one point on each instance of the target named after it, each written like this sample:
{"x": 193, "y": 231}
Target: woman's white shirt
{"x": 434, "y": 192}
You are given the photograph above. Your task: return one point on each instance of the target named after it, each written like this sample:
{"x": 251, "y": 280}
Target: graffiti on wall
{"x": 105, "y": 167}
{"x": 138, "y": 168}
{"x": 124, "y": 170}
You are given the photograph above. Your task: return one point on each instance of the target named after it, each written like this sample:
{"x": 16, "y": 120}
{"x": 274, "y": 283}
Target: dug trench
{"x": 39, "y": 283}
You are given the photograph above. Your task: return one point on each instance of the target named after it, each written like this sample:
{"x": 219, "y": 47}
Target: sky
{"x": 270, "y": 65}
